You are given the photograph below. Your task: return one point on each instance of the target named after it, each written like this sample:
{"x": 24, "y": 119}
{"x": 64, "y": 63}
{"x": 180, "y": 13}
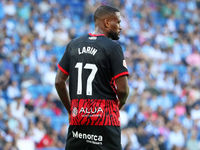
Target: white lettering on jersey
{"x": 87, "y": 110}
{"x": 87, "y": 50}
{"x": 90, "y": 138}
{"x": 92, "y": 38}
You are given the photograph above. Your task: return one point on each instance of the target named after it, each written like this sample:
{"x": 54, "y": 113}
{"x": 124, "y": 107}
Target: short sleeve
{"x": 117, "y": 61}
{"x": 64, "y": 64}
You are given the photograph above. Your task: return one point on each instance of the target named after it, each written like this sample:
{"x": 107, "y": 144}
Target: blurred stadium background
{"x": 161, "y": 44}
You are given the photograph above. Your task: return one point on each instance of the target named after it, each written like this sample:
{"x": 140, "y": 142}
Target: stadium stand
{"x": 161, "y": 44}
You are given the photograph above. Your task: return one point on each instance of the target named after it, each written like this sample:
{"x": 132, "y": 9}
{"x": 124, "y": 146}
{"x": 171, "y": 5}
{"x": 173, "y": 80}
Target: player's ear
{"x": 106, "y": 23}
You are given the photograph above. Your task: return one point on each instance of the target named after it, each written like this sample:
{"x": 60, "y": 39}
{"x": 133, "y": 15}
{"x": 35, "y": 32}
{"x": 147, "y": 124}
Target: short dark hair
{"x": 104, "y": 10}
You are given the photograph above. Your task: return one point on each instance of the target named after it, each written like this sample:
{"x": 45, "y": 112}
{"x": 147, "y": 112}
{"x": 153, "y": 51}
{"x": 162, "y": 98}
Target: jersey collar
{"x": 96, "y": 34}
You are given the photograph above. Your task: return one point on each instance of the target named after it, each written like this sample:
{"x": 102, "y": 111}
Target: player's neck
{"x": 99, "y": 31}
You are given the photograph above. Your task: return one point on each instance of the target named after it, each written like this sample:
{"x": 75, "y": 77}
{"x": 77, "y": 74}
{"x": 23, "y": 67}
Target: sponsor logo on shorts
{"x": 90, "y": 138}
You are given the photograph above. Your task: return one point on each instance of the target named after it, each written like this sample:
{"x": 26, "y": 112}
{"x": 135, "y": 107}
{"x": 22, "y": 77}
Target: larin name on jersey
{"x": 87, "y": 50}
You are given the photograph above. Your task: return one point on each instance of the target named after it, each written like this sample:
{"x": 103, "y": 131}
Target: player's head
{"x": 108, "y": 19}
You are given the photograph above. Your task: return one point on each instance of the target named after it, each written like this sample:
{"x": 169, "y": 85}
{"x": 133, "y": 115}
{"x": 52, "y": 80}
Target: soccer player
{"x": 98, "y": 85}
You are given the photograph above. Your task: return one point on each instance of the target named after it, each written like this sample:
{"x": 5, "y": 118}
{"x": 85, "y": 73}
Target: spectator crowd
{"x": 161, "y": 45}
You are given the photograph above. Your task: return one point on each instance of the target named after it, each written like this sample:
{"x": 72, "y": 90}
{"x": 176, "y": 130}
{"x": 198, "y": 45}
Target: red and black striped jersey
{"x": 93, "y": 62}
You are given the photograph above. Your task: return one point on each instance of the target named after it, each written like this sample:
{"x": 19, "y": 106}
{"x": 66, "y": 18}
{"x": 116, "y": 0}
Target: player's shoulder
{"x": 111, "y": 44}
{"x": 108, "y": 44}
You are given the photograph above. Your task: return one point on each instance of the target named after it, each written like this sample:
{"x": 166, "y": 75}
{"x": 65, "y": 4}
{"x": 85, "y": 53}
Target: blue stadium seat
{"x": 1, "y": 11}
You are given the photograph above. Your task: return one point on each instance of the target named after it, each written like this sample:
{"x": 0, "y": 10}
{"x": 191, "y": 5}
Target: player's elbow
{"x": 123, "y": 94}
{"x": 124, "y": 91}
{"x": 59, "y": 83}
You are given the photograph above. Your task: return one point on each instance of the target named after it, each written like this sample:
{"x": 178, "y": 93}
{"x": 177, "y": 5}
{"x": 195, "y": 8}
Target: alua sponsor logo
{"x": 86, "y": 110}
{"x": 91, "y": 110}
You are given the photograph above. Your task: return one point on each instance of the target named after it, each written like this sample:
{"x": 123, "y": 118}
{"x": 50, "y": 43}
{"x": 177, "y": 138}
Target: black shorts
{"x": 93, "y": 138}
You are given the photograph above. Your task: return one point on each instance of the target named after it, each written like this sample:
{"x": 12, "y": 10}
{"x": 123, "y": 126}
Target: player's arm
{"x": 122, "y": 89}
{"x": 60, "y": 84}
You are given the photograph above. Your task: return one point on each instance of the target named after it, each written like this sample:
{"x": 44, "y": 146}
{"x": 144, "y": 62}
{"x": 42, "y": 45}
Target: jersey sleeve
{"x": 64, "y": 64}
{"x": 118, "y": 63}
